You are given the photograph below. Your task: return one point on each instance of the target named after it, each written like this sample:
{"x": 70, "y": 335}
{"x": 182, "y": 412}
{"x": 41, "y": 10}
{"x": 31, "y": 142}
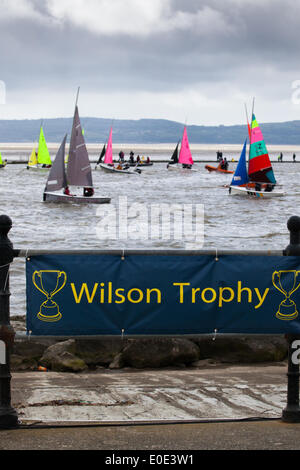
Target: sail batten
{"x": 79, "y": 172}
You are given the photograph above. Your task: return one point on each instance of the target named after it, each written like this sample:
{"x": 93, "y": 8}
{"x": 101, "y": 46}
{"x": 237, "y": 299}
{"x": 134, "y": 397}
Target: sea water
{"x": 229, "y": 222}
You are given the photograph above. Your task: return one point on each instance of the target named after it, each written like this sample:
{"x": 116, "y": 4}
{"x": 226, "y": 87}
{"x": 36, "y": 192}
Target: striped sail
{"x": 260, "y": 167}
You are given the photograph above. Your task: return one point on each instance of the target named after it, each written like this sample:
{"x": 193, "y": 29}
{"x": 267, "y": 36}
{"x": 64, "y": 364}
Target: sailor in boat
{"x": 269, "y": 187}
{"x": 88, "y": 192}
{"x": 67, "y": 191}
{"x": 121, "y": 156}
{"x": 224, "y": 164}
{"x": 257, "y": 187}
{"x": 131, "y": 157}
{"x": 186, "y": 166}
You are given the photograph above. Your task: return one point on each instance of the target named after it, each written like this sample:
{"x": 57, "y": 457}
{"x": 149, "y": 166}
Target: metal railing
{"x": 8, "y": 415}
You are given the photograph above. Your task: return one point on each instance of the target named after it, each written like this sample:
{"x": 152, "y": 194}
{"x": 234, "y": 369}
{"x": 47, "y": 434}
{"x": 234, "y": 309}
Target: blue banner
{"x": 162, "y": 294}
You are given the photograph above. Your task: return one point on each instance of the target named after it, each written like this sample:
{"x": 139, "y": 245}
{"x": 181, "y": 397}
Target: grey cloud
{"x": 262, "y": 35}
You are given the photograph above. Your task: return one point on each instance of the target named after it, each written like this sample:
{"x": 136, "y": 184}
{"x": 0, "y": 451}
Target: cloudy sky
{"x": 194, "y": 61}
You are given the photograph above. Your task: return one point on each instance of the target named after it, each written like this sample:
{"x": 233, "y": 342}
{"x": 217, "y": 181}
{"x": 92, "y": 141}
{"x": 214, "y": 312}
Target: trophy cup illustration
{"x": 286, "y": 282}
{"x": 49, "y": 283}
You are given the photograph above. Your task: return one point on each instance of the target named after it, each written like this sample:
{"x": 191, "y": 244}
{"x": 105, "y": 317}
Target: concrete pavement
{"x": 214, "y": 407}
{"x": 211, "y": 392}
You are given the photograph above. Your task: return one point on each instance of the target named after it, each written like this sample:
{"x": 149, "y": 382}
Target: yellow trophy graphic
{"x": 286, "y": 282}
{"x": 49, "y": 284}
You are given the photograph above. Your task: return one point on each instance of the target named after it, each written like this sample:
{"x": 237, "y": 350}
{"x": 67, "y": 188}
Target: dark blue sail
{"x": 240, "y": 176}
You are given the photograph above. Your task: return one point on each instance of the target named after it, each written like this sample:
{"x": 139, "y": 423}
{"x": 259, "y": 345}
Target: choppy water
{"x": 230, "y": 222}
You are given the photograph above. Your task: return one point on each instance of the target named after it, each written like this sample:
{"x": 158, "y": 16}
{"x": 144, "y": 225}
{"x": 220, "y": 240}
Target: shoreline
{"x": 154, "y": 148}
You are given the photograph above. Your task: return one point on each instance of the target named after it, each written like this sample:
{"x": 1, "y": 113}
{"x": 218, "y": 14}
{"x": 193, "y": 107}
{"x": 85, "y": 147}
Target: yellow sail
{"x": 43, "y": 153}
{"x": 33, "y": 158}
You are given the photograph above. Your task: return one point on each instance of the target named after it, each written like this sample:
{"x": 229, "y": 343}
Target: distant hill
{"x": 145, "y": 131}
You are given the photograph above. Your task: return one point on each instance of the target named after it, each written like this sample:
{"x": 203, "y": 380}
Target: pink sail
{"x": 185, "y": 155}
{"x": 109, "y": 153}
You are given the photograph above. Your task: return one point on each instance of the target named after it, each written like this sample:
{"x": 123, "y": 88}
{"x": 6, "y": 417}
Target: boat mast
{"x": 77, "y": 96}
{"x": 250, "y": 132}
{"x": 246, "y": 111}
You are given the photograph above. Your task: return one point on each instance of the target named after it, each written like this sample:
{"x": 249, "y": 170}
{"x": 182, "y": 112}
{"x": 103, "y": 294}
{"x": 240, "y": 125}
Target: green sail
{"x": 43, "y": 152}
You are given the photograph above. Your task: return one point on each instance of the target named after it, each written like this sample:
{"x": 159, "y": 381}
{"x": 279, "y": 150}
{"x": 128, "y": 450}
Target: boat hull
{"x": 65, "y": 199}
{"x": 249, "y": 192}
{"x": 140, "y": 164}
{"x": 38, "y": 167}
{"x": 217, "y": 169}
{"x": 178, "y": 167}
{"x": 112, "y": 169}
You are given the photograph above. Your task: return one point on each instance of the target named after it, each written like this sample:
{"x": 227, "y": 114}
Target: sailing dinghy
{"x": 174, "y": 158}
{"x": 41, "y": 158}
{"x": 185, "y": 160}
{"x": 101, "y": 156}
{"x": 258, "y": 180}
{"x": 108, "y": 164}
{"x": 2, "y": 162}
{"x": 79, "y": 172}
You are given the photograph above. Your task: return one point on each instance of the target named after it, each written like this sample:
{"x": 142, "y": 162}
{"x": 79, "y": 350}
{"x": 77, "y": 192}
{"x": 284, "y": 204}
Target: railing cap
{"x": 5, "y": 224}
{"x": 293, "y": 224}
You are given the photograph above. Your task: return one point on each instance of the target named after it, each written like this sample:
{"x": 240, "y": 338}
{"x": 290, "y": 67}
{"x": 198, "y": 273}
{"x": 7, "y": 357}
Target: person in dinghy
{"x": 88, "y": 192}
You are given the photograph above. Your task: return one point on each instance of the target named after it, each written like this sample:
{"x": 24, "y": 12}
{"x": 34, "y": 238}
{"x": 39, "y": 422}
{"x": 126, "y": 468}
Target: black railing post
{"x": 291, "y": 414}
{"x": 8, "y": 415}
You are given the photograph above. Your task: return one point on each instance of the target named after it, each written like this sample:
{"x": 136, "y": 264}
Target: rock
{"x": 203, "y": 363}
{"x": 159, "y": 352}
{"x": 19, "y": 363}
{"x": 61, "y": 357}
{"x": 79, "y": 354}
{"x": 243, "y": 349}
{"x": 117, "y": 363}
{"x": 34, "y": 349}
{"x": 96, "y": 352}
